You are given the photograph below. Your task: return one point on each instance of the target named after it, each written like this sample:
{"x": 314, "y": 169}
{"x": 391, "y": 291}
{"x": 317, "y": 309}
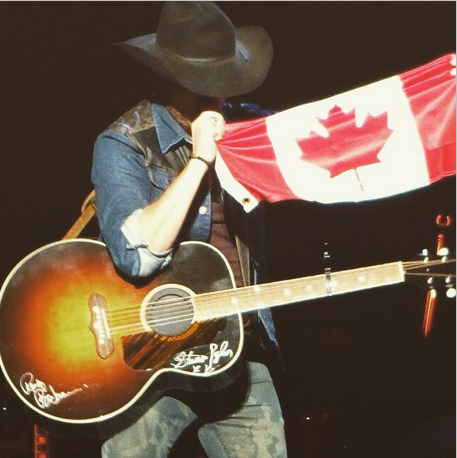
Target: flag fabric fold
{"x": 376, "y": 141}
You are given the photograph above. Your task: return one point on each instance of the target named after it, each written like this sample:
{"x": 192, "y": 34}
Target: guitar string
{"x": 177, "y": 310}
{"x": 277, "y": 285}
{"x": 243, "y": 292}
{"x": 165, "y": 305}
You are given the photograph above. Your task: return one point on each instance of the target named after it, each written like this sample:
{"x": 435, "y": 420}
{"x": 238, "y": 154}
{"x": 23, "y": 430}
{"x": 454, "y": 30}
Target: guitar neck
{"x": 228, "y": 302}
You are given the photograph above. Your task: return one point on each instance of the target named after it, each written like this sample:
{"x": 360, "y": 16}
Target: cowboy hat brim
{"x": 236, "y": 75}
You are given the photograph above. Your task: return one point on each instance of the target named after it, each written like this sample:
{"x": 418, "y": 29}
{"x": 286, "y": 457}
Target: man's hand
{"x": 207, "y": 129}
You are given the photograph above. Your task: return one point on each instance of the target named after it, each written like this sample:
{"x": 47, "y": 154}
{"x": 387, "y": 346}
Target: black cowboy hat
{"x": 197, "y": 47}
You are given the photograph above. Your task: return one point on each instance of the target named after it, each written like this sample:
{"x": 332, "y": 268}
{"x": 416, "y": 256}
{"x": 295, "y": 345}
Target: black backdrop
{"x": 358, "y": 366}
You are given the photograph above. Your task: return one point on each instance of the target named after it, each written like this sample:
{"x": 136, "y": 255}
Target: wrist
{"x": 209, "y": 164}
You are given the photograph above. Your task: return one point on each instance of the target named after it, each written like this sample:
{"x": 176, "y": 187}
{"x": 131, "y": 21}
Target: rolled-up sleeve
{"x": 149, "y": 261}
{"x": 123, "y": 188}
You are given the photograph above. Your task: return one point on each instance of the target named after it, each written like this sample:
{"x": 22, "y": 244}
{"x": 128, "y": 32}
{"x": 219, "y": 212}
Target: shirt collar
{"x": 169, "y": 132}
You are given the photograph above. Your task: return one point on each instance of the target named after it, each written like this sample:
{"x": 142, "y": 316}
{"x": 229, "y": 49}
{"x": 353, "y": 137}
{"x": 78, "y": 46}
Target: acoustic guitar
{"x": 82, "y": 345}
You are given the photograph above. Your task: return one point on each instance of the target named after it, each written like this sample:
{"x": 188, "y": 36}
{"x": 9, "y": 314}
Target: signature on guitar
{"x": 203, "y": 363}
{"x": 44, "y": 394}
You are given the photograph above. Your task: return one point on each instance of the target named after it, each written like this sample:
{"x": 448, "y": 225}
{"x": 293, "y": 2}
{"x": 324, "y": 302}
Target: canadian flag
{"x": 386, "y": 138}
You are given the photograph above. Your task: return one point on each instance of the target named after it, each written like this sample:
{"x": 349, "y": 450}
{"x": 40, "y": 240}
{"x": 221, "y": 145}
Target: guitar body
{"x": 81, "y": 345}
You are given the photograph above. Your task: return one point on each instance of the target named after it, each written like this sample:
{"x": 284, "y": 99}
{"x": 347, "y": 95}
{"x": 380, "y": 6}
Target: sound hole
{"x": 169, "y": 311}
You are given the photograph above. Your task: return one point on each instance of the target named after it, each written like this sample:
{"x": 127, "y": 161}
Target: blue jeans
{"x": 254, "y": 430}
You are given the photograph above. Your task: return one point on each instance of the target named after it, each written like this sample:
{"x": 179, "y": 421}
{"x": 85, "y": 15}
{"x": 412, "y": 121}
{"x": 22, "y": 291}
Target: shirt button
{"x": 202, "y": 210}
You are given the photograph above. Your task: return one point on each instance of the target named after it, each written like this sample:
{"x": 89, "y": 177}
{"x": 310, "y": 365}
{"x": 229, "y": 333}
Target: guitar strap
{"x": 88, "y": 210}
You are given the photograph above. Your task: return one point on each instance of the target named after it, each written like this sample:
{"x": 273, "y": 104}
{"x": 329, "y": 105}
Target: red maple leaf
{"x": 347, "y": 146}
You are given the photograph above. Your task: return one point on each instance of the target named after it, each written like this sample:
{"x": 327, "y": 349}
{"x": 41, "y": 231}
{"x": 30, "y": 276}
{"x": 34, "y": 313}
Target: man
{"x": 155, "y": 187}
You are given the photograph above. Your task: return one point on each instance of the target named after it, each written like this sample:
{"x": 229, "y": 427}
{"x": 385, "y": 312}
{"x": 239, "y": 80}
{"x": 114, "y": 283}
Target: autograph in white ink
{"x": 197, "y": 362}
{"x": 44, "y": 395}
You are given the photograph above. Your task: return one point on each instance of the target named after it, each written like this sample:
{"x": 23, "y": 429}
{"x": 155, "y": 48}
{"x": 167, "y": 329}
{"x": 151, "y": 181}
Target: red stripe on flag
{"x": 247, "y": 150}
{"x": 431, "y": 94}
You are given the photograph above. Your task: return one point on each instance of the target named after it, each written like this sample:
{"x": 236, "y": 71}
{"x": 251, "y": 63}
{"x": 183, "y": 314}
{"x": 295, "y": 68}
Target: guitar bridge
{"x": 99, "y": 325}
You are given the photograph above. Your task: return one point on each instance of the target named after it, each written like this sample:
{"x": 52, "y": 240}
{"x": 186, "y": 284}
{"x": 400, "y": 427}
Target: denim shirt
{"x": 124, "y": 185}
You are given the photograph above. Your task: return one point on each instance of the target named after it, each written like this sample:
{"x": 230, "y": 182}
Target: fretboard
{"x": 228, "y": 302}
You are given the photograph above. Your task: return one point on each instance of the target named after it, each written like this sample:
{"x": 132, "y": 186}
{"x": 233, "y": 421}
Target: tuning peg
{"x": 450, "y": 291}
{"x": 443, "y": 251}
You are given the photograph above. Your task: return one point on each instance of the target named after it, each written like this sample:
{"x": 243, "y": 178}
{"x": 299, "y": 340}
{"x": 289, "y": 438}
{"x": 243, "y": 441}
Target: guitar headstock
{"x": 433, "y": 271}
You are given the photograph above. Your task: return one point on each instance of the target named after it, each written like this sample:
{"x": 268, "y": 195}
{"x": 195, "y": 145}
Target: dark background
{"x": 361, "y": 378}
